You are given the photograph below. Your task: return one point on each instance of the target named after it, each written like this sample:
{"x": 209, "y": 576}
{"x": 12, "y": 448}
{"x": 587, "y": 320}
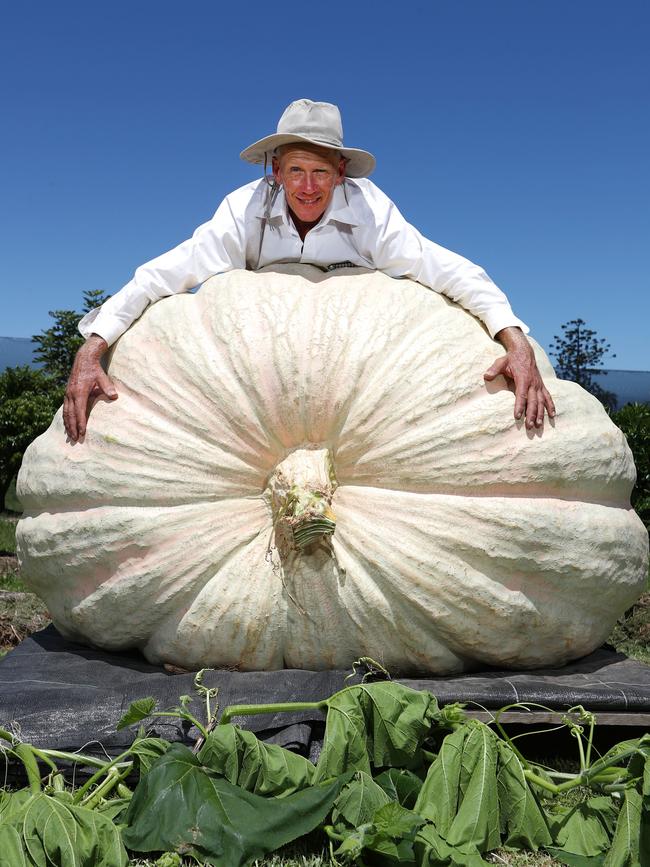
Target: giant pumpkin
{"x": 303, "y": 468}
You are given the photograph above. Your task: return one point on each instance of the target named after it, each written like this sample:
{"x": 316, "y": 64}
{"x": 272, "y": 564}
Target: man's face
{"x": 309, "y": 176}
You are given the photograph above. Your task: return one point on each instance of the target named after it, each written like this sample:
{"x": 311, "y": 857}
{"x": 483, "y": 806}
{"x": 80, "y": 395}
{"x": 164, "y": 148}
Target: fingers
{"x": 88, "y": 379}
{"x": 69, "y": 418}
{"x": 75, "y": 404}
{"x": 106, "y": 385}
{"x": 538, "y": 400}
{"x": 532, "y": 413}
{"x": 522, "y": 398}
{"x": 548, "y": 403}
{"x": 496, "y": 369}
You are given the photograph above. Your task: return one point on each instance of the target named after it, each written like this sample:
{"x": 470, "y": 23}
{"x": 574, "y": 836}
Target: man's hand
{"x": 519, "y": 365}
{"x": 87, "y": 379}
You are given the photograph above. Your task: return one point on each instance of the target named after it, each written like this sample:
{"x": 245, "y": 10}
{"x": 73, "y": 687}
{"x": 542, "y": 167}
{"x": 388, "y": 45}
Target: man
{"x": 320, "y": 209}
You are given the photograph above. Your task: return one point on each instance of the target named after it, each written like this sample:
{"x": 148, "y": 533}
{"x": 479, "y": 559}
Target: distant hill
{"x": 629, "y": 386}
{"x": 15, "y": 351}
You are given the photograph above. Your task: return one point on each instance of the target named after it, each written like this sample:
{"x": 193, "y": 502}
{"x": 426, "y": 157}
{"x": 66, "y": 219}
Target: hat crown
{"x": 318, "y": 121}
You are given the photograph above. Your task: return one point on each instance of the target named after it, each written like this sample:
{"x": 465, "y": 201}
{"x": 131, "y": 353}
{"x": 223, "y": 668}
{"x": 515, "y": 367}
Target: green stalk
{"x": 331, "y": 833}
{"x": 583, "y": 761}
{"x": 281, "y": 707}
{"x": 41, "y": 755}
{"x": 113, "y": 778}
{"x": 26, "y": 755}
{"x": 105, "y": 769}
{"x": 77, "y": 758}
{"x": 504, "y": 734}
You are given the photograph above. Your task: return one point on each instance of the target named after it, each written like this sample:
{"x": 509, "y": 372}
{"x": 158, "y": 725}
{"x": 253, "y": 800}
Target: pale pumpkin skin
{"x": 461, "y": 539}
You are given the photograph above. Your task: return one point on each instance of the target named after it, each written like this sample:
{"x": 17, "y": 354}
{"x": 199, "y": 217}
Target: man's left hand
{"x": 519, "y": 366}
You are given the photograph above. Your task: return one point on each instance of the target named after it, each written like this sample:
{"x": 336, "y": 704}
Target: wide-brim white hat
{"x": 317, "y": 123}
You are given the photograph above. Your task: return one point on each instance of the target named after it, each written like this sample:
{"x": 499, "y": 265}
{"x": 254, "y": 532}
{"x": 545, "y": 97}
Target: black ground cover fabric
{"x": 66, "y": 696}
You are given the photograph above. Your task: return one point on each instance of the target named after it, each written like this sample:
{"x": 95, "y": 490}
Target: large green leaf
{"x": 401, "y": 785}
{"x": 359, "y": 801}
{"x": 624, "y": 851}
{"x": 58, "y": 834}
{"x": 459, "y": 794}
{"x": 374, "y": 725}
{"x": 572, "y": 860}
{"x": 587, "y": 828}
{"x": 182, "y": 806}
{"x": 431, "y": 850}
{"x": 644, "y": 831}
{"x": 390, "y": 835}
{"x": 477, "y": 819}
{"x": 148, "y": 750}
{"x": 12, "y": 853}
{"x": 12, "y": 804}
{"x": 265, "y": 769}
{"x": 523, "y": 822}
{"x": 439, "y": 795}
{"x": 138, "y": 710}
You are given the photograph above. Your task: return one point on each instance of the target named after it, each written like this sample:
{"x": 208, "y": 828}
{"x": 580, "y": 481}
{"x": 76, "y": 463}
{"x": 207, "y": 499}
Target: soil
{"x": 21, "y": 613}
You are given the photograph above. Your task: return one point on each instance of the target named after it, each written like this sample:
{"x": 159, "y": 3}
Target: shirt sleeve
{"x": 401, "y": 251}
{"x": 216, "y": 246}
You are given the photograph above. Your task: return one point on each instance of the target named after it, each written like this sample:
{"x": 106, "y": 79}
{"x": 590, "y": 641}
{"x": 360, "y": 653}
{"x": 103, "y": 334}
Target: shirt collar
{"x": 338, "y": 210}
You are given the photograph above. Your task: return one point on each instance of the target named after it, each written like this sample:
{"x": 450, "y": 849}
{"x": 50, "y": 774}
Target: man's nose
{"x": 309, "y": 182}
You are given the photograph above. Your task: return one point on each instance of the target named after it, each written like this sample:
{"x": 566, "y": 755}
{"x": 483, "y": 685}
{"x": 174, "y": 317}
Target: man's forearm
{"x": 95, "y": 346}
{"x": 512, "y": 338}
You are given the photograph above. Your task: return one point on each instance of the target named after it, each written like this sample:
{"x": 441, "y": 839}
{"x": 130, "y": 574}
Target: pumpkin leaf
{"x": 439, "y": 795}
{"x": 148, "y": 750}
{"x": 624, "y": 851}
{"x": 523, "y": 822}
{"x": 460, "y": 794}
{"x": 587, "y": 828}
{"x": 374, "y": 725}
{"x": 138, "y": 710}
{"x": 431, "y": 850}
{"x": 265, "y": 769}
{"x": 573, "y": 860}
{"x": 394, "y": 821}
{"x": 359, "y": 801}
{"x": 12, "y": 804}
{"x": 182, "y": 806}
{"x": 401, "y": 785}
{"x": 12, "y": 853}
{"x": 58, "y": 834}
{"x": 390, "y": 834}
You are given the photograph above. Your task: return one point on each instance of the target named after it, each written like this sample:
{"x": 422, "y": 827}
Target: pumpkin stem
{"x": 300, "y": 494}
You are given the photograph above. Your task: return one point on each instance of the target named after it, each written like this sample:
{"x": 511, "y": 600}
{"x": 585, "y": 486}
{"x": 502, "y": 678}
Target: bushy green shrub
{"x": 28, "y": 400}
{"x": 634, "y": 420}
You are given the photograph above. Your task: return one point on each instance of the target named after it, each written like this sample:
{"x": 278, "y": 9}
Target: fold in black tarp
{"x": 62, "y": 695}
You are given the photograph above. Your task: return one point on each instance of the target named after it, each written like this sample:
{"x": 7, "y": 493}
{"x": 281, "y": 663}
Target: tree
{"x": 579, "y": 356}
{"x": 28, "y": 397}
{"x": 58, "y": 345}
{"x": 28, "y": 400}
{"x": 634, "y": 421}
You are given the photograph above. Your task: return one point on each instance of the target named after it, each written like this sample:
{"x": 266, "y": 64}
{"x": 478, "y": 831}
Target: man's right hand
{"x": 87, "y": 379}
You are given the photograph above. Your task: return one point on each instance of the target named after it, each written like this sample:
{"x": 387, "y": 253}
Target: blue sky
{"x": 514, "y": 132}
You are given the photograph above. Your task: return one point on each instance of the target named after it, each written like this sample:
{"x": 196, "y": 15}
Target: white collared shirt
{"x": 360, "y": 225}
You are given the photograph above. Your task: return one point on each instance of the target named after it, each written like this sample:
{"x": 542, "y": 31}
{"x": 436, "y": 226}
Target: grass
{"x": 22, "y": 613}
{"x": 7, "y": 535}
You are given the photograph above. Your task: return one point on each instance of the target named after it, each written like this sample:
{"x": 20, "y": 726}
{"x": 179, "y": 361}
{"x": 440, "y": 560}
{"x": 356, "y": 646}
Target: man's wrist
{"x": 95, "y": 345}
{"x": 511, "y": 337}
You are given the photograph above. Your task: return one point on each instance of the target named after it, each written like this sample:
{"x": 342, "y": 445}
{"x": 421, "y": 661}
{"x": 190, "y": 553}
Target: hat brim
{"x": 359, "y": 163}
